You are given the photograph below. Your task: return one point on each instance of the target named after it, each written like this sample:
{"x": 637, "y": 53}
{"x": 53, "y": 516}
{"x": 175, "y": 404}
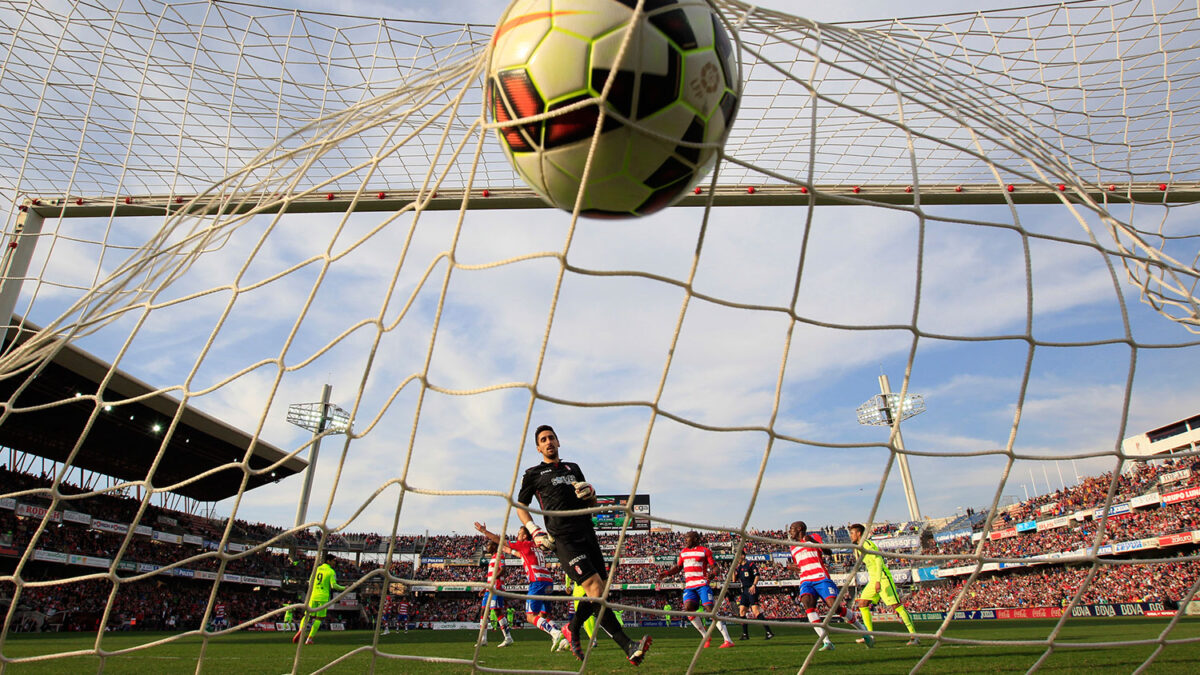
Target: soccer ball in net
{"x": 670, "y": 104}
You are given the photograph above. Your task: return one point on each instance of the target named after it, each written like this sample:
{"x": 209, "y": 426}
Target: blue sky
{"x": 611, "y": 338}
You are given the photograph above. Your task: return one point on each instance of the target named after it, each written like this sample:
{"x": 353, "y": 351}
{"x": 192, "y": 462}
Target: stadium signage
{"x": 1176, "y": 539}
{"x": 1123, "y": 609}
{"x": 1029, "y": 613}
{"x": 897, "y": 543}
{"x": 1174, "y": 476}
{"x": 1054, "y": 523}
{"x": 1114, "y": 510}
{"x": 926, "y": 573}
{"x": 942, "y": 537}
{"x": 1181, "y": 495}
{"x": 49, "y": 556}
{"x": 8, "y": 503}
{"x": 1002, "y": 534}
{"x": 29, "y": 510}
{"x": 1150, "y": 499}
{"x": 1027, "y": 526}
{"x": 88, "y": 561}
{"x": 167, "y": 537}
{"x": 193, "y": 539}
{"x": 614, "y": 519}
{"x": 109, "y": 526}
{"x": 77, "y": 517}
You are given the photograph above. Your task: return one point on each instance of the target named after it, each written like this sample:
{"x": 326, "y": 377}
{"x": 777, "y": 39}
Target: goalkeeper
{"x": 324, "y": 579}
{"x": 560, "y": 486}
{"x": 880, "y": 585}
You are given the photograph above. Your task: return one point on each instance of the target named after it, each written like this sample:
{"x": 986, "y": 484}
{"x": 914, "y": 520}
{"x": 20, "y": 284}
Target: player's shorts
{"x": 491, "y": 600}
{"x": 535, "y": 605}
{"x": 580, "y": 555}
{"x": 317, "y": 602}
{"x": 701, "y": 594}
{"x": 403, "y": 618}
{"x": 888, "y": 593}
{"x": 823, "y": 588}
{"x": 748, "y": 600}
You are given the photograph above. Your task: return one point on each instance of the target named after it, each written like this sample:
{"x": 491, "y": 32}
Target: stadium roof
{"x": 122, "y": 442}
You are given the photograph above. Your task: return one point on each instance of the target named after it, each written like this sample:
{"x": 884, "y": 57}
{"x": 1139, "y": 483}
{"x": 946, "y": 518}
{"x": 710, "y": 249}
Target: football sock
{"x": 313, "y": 631}
{"x": 724, "y": 631}
{"x": 546, "y": 624}
{"x": 504, "y": 628}
{"x": 815, "y": 620}
{"x": 698, "y": 624}
{"x": 903, "y": 614}
{"x": 608, "y": 621}
{"x": 866, "y": 617}
{"x": 583, "y": 612}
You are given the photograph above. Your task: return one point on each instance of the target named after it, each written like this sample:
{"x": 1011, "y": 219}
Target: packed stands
{"x": 1154, "y": 511}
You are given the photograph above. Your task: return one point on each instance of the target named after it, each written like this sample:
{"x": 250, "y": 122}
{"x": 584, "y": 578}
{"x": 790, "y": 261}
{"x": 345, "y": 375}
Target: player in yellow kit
{"x": 880, "y": 585}
{"x": 324, "y": 581}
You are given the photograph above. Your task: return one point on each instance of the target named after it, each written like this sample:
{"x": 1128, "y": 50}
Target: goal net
{"x": 238, "y": 204}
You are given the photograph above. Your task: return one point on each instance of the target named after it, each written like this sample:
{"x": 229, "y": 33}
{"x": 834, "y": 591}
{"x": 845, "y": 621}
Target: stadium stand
{"x": 1155, "y": 502}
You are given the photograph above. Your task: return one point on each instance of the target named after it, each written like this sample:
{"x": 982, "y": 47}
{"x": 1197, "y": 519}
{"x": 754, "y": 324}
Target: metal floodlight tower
{"x": 319, "y": 418}
{"x": 886, "y": 409}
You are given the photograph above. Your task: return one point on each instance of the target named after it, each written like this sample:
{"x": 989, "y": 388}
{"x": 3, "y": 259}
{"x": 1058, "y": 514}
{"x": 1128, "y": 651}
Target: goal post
{"x": 238, "y": 202}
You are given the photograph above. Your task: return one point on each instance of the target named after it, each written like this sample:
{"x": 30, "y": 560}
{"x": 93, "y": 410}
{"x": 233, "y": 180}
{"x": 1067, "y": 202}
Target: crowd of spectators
{"x": 1169, "y": 519}
{"x": 138, "y": 605}
{"x": 145, "y": 604}
{"x": 1092, "y": 491}
{"x": 1055, "y": 586}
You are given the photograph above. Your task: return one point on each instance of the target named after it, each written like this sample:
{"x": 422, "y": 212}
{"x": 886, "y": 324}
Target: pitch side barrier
{"x": 1123, "y": 609}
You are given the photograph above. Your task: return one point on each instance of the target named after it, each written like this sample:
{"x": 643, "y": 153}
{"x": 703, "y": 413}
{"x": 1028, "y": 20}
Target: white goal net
{"x": 237, "y": 204}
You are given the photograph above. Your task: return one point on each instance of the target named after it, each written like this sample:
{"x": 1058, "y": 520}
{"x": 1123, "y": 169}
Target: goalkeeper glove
{"x": 539, "y": 536}
{"x": 585, "y": 491}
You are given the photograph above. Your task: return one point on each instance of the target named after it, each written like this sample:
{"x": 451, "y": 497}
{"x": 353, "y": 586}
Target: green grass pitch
{"x": 247, "y": 653}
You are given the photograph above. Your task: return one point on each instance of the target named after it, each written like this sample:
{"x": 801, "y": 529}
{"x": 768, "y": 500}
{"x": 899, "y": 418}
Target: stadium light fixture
{"x": 320, "y": 419}
{"x": 887, "y": 409}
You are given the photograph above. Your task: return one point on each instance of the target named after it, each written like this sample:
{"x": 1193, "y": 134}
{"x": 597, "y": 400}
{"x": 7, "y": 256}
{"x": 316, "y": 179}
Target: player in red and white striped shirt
{"x": 540, "y": 580}
{"x": 696, "y": 561}
{"x": 495, "y": 570}
{"x": 815, "y": 582}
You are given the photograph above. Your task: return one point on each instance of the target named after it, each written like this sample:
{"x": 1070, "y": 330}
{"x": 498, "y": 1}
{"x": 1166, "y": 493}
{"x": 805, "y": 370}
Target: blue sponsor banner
{"x": 926, "y": 574}
{"x": 1124, "y": 609}
{"x": 942, "y": 537}
{"x": 1134, "y": 545}
{"x": 974, "y": 614}
{"x": 1027, "y": 526}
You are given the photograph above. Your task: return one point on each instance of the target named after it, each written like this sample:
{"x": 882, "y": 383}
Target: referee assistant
{"x": 560, "y": 486}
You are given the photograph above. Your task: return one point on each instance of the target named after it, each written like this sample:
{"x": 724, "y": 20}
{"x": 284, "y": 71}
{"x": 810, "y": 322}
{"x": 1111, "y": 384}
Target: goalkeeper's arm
{"x": 537, "y": 534}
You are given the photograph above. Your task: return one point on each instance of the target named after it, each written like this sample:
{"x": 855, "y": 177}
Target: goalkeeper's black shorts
{"x": 580, "y": 555}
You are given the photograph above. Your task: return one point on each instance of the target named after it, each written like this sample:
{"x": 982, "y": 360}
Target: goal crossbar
{"x": 525, "y": 198}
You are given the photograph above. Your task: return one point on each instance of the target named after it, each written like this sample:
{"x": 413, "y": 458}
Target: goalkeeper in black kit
{"x": 560, "y": 486}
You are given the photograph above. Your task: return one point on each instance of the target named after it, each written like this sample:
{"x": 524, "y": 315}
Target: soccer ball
{"x": 670, "y": 104}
